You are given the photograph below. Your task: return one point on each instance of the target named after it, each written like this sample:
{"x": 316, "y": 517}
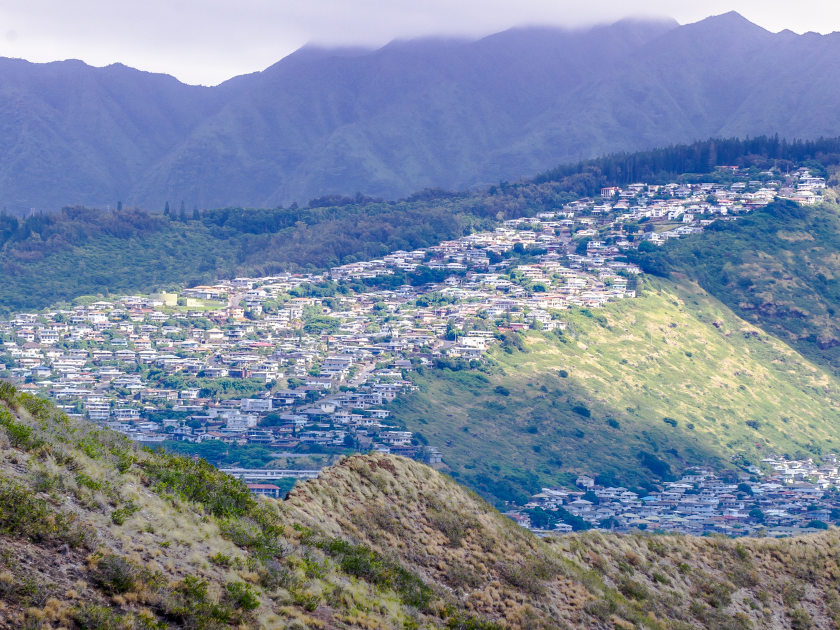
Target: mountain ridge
{"x": 409, "y": 115}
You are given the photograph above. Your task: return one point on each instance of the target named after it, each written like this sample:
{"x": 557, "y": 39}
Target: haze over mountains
{"x": 426, "y": 113}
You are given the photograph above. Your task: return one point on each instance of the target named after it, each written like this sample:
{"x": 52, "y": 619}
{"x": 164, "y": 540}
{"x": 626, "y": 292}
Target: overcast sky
{"x": 208, "y": 41}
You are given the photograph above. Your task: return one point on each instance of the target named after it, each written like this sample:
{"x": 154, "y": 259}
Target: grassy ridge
{"x": 498, "y": 572}
{"x": 726, "y": 388}
{"x": 98, "y": 534}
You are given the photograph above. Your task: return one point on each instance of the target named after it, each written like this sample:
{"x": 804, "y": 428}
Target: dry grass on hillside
{"x": 481, "y": 560}
{"x": 96, "y": 534}
{"x": 449, "y": 536}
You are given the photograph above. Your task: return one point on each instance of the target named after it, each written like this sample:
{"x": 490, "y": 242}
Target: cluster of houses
{"x": 740, "y": 194}
{"x": 676, "y": 210}
{"x": 105, "y": 362}
{"x": 777, "y": 498}
{"x": 263, "y": 361}
{"x": 321, "y": 368}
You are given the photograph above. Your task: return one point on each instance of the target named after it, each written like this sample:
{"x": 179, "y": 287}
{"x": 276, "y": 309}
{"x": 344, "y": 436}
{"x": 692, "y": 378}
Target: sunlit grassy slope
{"x": 778, "y": 268}
{"x": 675, "y": 354}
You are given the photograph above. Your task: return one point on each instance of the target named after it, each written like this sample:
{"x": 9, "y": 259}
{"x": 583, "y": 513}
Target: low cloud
{"x": 208, "y": 41}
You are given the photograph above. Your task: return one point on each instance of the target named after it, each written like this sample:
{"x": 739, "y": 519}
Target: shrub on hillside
{"x": 366, "y": 564}
{"x": 654, "y": 464}
{"x": 200, "y": 482}
{"x": 115, "y": 575}
{"x": 26, "y": 516}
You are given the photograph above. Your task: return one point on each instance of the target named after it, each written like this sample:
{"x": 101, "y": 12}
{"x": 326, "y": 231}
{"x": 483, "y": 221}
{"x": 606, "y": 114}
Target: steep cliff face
{"x": 97, "y": 534}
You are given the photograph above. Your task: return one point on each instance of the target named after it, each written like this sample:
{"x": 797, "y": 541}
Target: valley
{"x": 520, "y": 330}
{"x": 514, "y": 359}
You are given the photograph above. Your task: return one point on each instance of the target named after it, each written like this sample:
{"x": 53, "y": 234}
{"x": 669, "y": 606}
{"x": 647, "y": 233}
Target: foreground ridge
{"x": 97, "y": 533}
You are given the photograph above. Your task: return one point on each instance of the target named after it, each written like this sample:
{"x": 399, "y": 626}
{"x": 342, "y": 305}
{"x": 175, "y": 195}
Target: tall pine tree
{"x": 166, "y": 209}
{"x": 183, "y": 214}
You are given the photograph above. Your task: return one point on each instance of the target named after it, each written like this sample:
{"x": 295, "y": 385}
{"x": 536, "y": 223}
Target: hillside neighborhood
{"x": 778, "y": 498}
{"x": 309, "y": 362}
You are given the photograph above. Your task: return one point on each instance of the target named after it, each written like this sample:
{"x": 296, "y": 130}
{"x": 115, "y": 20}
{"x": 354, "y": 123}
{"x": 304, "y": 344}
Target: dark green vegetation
{"x": 418, "y": 114}
{"x": 630, "y": 393}
{"x": 81, "y": 251}
{"x": 46, "y": 259}
{"x": 662, "y": 166}
{"x": 221, "y": 388}
{"x": 366, "y": 564}
{"x": 777, "y": 268}
{"x": 220, "y": 454}
{"x": 200, "y": 482}
{"x": 21, "y": 514}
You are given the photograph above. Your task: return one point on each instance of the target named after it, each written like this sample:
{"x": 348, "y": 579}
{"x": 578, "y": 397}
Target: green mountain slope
{"x": 96, "y": 534}
{"x": 777, "y": 268}
{"x": 727, "y": 389}
{"x": 410, "y": 115}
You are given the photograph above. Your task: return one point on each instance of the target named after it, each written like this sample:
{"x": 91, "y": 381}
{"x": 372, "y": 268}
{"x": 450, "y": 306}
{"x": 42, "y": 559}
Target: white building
{"x": 255, "y": 405}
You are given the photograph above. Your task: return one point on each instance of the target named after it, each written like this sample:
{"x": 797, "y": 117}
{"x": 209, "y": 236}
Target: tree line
{"x": 668, "y": 163}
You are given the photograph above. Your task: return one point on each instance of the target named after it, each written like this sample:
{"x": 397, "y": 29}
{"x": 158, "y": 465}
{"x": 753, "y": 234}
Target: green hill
{"x": 83, "y": 251}
{"x": 96, "y": 534}
{"x": 777, "y": 268}
{"x": 596, "y": 399}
